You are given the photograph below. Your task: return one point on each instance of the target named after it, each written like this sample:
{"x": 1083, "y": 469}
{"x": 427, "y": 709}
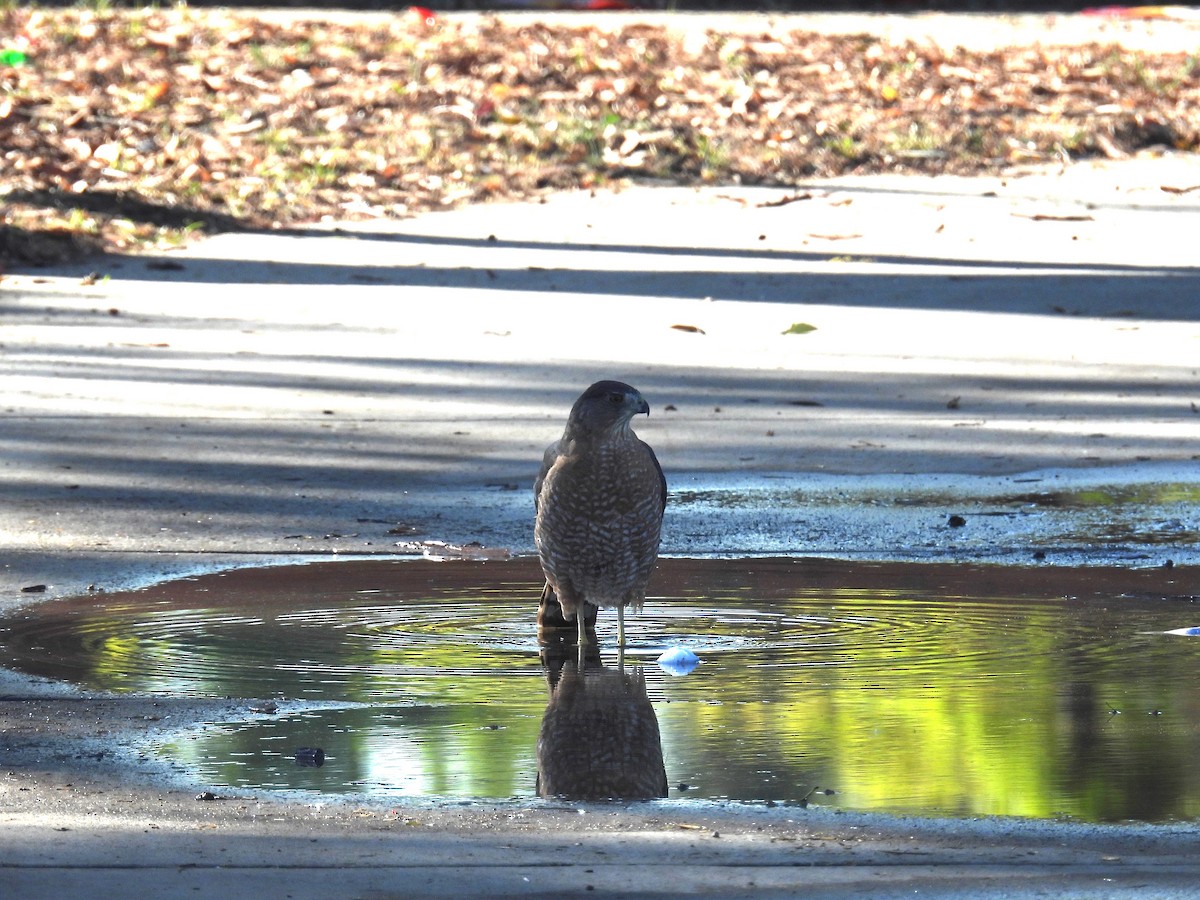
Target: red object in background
{"x": 423, "y": 15}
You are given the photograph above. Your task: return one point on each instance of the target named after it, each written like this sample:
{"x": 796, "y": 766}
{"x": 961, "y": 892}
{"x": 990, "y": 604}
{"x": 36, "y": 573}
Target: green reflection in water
{"x": 906, "y": 688}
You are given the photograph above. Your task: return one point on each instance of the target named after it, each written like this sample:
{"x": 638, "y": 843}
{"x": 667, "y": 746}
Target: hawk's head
{"x": 607, "y": 405}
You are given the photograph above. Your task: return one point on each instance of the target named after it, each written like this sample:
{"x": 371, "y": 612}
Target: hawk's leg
{"x": 581, "y": 625}
{"x": 550, "y": 615}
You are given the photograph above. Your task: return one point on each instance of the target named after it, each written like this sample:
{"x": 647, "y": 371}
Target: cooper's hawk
{"x": 600, "y": 497}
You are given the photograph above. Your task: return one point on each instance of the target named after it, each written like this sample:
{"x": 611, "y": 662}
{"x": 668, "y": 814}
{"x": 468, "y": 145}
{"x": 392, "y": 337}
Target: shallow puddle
{"x": 903, "y": 688}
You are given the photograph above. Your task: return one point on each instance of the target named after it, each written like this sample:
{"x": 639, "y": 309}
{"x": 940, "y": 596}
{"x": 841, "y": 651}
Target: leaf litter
{"x": 129, "y": 129}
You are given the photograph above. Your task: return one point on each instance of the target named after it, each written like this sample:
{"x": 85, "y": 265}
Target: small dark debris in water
{"x": 953, "y": 403}
{"x": 683, "y": 786}
{"x": 956, "y": 521}
{"x": 1113, "y": 711}
{"x": 805, "y": 403}
{"x": 313, "y": 757}
{"x": 164, "y": 265}
{"x": 34, "y": 589}
{"x": 267, "y": 707}
{"x": 1039, "y": 554}
{"x": 492, "y": 727}
{"x": 670, "y": 407}
{"x": 207, "y": 796}
{"x": 1169, "y": 564}
{"x": 402, "y": 528}
{"x": 1155, "y": 712}
{"x": 503, "y": 485}
{"x": 825, "y": 792}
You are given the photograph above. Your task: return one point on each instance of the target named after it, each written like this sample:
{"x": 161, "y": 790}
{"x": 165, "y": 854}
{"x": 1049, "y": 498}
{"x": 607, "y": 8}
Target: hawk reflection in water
{"x": 599, "y": 737}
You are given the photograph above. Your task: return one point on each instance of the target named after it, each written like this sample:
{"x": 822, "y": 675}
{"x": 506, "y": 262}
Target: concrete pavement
{"x": 260, "y": 850}
{"x": 301, "y": 393}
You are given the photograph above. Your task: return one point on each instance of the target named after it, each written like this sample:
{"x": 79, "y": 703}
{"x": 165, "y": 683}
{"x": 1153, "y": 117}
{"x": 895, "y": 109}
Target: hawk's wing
{"x": 548, "y": 460}
{"x": 662, "y": 479}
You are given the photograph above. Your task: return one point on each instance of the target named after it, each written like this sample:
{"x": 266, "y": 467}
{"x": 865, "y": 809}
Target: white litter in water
{"x": 678, "y": 661}
{"x": 1186, "y": 632}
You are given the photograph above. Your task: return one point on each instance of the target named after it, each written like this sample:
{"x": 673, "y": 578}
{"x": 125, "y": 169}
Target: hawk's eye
{"x": 614, "y": 397}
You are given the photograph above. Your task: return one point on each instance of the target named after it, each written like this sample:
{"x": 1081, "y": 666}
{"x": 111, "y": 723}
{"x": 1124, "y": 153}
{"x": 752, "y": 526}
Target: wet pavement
{"x": 999, "y": 371}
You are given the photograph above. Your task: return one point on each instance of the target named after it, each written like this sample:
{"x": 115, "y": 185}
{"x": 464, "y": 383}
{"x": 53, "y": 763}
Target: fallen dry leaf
{"x": 1050, "y": 217}
{"x": 784, "y": 201}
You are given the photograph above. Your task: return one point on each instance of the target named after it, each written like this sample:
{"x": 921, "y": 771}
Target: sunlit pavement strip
{"x": 975, "y": 341}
